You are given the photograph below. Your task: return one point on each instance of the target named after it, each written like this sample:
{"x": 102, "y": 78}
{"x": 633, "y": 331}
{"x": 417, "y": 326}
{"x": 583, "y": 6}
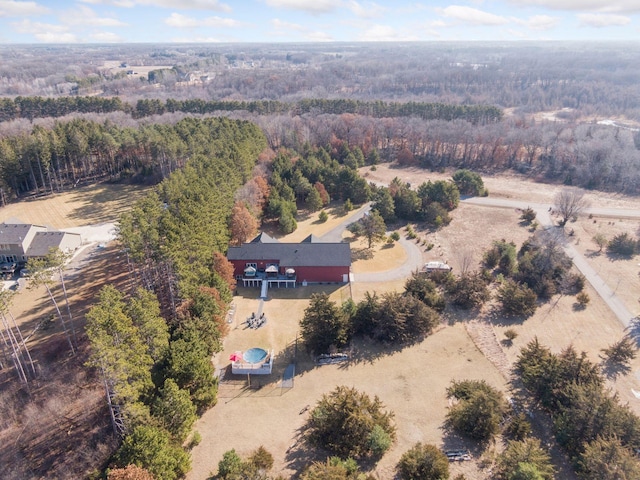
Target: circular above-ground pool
{"x": 254, "y": 355}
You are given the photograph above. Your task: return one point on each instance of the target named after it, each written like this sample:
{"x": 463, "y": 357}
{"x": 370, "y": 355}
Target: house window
{"x": 254, "y": 265}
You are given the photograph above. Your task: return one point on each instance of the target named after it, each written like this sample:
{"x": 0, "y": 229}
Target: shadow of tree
{"x": 578, "y": 307}
{"x": 633, "y": 330}
{"x": 617, "y": 257}
{"x": 613, "y": 370}
{"x": 361, "y": 254}
{"x": 453, "y": 441}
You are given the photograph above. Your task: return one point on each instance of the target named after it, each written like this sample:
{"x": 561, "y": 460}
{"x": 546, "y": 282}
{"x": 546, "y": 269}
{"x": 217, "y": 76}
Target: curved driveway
{"x": 414, "y": 254}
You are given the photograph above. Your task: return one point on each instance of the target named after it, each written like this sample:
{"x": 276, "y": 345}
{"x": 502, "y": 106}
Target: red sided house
{"x": 288, "y": 264}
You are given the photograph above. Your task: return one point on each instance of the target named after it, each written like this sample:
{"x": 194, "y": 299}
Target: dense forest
{"x": 560, "y": 113}
{"x": 589, "y": 77}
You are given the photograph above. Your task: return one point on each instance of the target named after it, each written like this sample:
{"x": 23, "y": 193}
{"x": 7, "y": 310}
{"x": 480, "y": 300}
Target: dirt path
{"x": 484, "y": 337}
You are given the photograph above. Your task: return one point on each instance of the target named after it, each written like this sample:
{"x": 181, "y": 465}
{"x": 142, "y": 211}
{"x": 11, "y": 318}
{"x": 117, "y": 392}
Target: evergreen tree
{"x": 151, "y": 448}
{"x": 423, "y": 462}
{"x": 324, "y": 325}
{"x": 343, "y": 422}
{"x": 174, "y": 409}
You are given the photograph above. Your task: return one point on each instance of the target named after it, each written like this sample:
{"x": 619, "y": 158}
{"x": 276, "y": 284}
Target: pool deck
{"x": 261, "y": 368}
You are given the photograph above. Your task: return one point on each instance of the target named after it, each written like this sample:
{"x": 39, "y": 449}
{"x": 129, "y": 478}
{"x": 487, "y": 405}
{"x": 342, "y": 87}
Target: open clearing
{"x": 412, "y": 381}
{"x": 95, "y": 204}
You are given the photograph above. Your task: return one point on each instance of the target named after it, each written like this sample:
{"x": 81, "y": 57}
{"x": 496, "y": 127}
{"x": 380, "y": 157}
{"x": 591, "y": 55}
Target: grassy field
{"x": 89, "y": 205}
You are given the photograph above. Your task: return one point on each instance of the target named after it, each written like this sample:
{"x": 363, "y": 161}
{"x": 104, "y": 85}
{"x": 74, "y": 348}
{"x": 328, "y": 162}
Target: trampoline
{"x": 254, "y": 355}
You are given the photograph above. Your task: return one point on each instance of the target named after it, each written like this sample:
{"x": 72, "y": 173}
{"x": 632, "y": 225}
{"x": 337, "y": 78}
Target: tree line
{"x": 152, "y": 345}
{"x": 42, "y": 107}
{"x": 80, "y": 151}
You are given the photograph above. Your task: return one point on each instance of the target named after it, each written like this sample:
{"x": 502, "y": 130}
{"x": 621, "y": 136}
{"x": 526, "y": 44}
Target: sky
{"x": 260, "y": 21}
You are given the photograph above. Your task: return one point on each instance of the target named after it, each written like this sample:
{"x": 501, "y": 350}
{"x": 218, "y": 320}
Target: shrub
{"x": 261, "y": 459}
{"x": 395, "y": 236}
{"x": 517, "y": 299}
{"x": 528, "y": 215}
{"x": 600, "y": 240}
{"x": 468, "y": 291}
{"x": 423, "y": 462}
{"x": 334, "y": 468}
{"x": 230, "y": 465}
{"x": 510, "y": 334}
{"x": 583, "y": 299}
{"x": 622, "y": 244}
{"x": 195, "y": 440}
{"x": 344, "y": 422}
{"x": 479, "y": 410}
{"x": 522, "y": 456}
{"x": 323, "y": 216}
{"x": 379, "y": 441}
{"x": 518, "y": 427}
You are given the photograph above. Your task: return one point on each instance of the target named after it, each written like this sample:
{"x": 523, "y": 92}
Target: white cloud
{"x": 177, "y": 4}
{"x": 472, "y": 16}
{"x": 319, "y": 37}
{"x": 51, "y": 37}
{"x": 12, "y": 8}
{"x": 27, "y": 26}
{"x": 182, "y": 21}
{"x": 310, "y": 6}
{"x": 627, "y": 6}
{"x": 45, "y": 32}
{"x": 438, "y": 24}
{"x": 106, "y": 37}
{"x": 540, "y": 22}
{"x": 281, "y": 25}
{"x": 602, "y": 20}
{"x": 86, "y": 16}
{"x": 384, "y": 33}
{"x": 517, "y": 33}
{"x": 366, "y": 10}
{"x": 196, "y": 39}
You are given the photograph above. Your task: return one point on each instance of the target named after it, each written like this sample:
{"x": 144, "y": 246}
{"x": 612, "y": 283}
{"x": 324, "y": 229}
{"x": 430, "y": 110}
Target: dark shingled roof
{"x": 43, "y": 241}
{"x": 312, "y": 239}
{"x": 14, "y": 233}
{"x": 295, "y": 254}
{"x": 264, "y": 238}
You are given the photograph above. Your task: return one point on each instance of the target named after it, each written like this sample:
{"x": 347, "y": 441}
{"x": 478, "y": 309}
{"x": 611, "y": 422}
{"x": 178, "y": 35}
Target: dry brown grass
{"x": 89, "y": 205}
{"x": 411, "y": 381}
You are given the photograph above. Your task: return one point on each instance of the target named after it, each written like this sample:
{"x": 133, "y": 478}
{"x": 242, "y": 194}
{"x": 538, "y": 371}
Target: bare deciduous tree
{"x": 570, "y": 203}
{"x": 464, "y": 259}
